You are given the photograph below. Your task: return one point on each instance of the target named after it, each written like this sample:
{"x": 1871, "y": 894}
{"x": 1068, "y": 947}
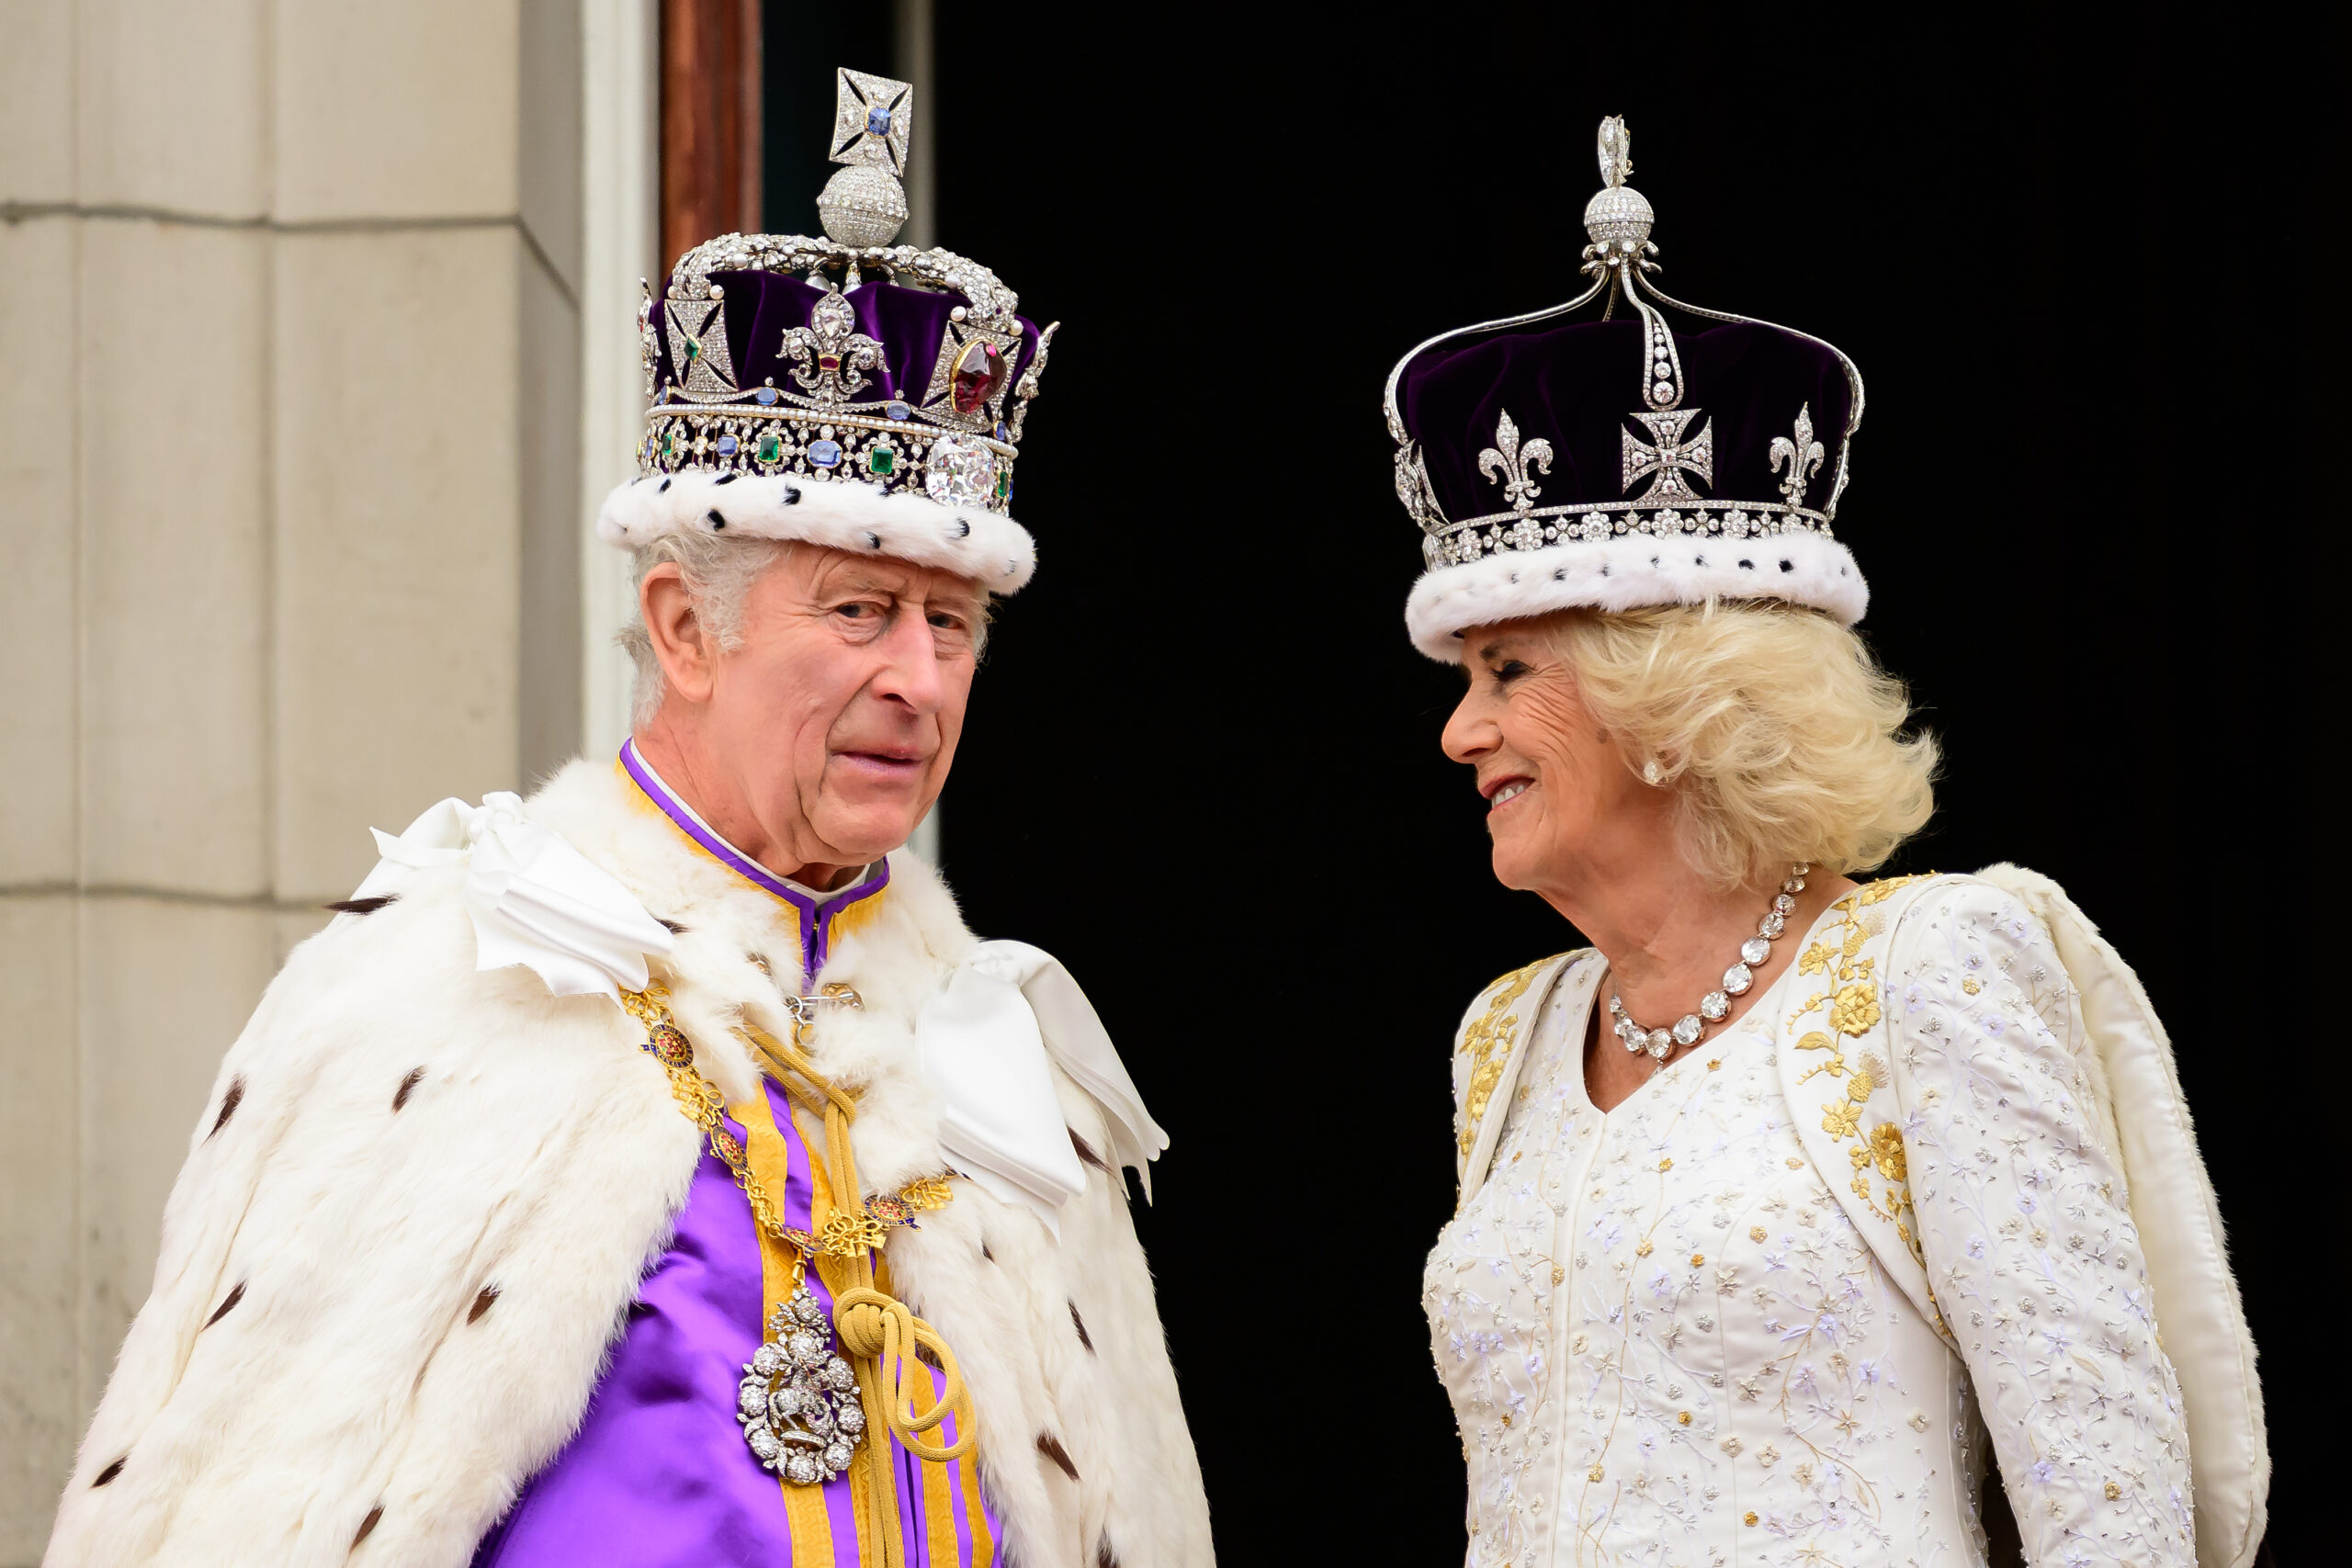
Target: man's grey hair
{"x": 719, "y": 575}
{"x": 719, "y": 572}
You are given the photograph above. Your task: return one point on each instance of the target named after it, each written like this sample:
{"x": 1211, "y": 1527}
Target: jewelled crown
{"x": 871, "y": 394}
{"x": 1536, "y": 488}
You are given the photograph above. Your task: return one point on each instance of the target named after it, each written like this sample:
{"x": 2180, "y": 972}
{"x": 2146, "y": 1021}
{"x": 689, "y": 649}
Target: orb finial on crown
{"x": 1618, "y": 217}
{"x": 864, "y": 204}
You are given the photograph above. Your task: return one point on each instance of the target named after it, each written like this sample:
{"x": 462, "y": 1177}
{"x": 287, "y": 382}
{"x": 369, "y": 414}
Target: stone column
{"x": 289, "y": 448}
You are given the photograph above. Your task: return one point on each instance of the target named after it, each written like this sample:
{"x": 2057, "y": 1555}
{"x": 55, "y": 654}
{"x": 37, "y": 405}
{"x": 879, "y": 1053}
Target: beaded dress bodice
{"x": 1666, "y": 1343}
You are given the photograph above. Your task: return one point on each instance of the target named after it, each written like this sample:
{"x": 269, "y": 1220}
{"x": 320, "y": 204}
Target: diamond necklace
{"x": 1737, "y": 979}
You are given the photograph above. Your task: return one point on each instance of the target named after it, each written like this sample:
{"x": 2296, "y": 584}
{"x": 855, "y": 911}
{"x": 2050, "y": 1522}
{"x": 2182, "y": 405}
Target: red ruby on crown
{"x": 981, "y": 374}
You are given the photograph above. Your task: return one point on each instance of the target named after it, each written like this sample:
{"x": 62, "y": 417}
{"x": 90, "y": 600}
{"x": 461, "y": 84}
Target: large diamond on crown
{"x": 956, "y": 472}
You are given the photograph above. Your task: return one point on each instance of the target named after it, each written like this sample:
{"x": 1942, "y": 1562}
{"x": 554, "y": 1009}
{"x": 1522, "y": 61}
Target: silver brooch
{"x": 798, "y": 1400}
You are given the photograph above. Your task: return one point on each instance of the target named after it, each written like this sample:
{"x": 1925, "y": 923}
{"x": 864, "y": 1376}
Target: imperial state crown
{"x": 844, "y": 390}
{"x": 1617, "y": 463}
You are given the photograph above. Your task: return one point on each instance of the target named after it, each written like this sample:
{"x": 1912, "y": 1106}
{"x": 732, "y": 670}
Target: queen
{"x": 1800, "y": 1216}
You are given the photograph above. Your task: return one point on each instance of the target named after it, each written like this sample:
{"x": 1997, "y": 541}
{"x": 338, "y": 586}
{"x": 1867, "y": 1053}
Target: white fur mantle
{"x": 395, "y": 1136}
{"x": 844, "y": 515}
{"x": 1628, "y": 573}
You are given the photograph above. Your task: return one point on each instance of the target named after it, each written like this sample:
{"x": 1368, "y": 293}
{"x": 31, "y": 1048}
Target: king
{"x": 656, "y": 1170}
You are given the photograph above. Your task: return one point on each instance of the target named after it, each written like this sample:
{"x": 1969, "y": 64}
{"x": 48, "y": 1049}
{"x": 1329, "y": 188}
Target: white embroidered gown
{"x": 1668, "y": 1344}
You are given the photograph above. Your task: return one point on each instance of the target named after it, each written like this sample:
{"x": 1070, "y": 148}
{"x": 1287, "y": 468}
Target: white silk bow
{"x": 535, "y": 900}
{"x": 986, "y": 1038}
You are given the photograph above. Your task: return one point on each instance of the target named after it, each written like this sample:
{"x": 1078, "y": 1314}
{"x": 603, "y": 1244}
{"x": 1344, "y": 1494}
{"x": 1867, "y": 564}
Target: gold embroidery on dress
{"x": 1479, "y": 1041}
{"x": 1853, "y": 1011}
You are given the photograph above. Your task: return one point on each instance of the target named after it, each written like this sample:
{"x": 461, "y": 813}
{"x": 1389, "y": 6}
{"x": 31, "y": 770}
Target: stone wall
{"x": 291, "y": 494}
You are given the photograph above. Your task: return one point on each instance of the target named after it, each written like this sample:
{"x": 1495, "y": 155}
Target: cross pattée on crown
{"x": 1670, "y": 458}
{"x": 872, "y": 120}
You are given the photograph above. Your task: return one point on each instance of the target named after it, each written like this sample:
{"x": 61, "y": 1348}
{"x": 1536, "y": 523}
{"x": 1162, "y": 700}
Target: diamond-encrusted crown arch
{"x": 1670, "y": 478}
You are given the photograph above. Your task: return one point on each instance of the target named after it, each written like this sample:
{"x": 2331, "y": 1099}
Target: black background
{"x": 2080, "y": 263}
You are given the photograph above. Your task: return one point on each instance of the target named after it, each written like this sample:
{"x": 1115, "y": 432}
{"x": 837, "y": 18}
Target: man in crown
{"x": 657, "y": 1170}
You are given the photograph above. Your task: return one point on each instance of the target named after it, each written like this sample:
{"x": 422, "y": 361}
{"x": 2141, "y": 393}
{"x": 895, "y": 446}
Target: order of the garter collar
{"x": 1736, "y": 980}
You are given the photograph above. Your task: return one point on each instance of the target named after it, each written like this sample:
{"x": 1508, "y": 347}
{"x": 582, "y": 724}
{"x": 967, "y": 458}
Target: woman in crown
{"x": 1796, "y": 1198}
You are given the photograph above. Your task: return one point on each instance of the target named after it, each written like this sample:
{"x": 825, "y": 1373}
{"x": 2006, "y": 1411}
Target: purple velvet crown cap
{"x": 761, "y": 310}
{"x": 1621, "y": 463}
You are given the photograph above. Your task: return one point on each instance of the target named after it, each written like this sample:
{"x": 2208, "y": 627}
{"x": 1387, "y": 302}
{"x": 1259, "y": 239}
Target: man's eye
{"x": 856, "y": 610}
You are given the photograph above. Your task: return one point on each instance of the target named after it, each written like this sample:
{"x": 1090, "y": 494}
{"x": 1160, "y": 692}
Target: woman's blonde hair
{"x": 1775, "y": 726}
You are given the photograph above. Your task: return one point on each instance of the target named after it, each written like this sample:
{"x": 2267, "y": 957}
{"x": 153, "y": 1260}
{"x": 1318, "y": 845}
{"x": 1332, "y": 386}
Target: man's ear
{"x": 679, "y": 640}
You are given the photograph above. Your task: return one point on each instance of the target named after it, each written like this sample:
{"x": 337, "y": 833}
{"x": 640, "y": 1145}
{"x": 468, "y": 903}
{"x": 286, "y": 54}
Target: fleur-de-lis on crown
{"x": 830, "y": 352}
{"x": 1509, "y": 461}
{"x": 1803, "y": 456}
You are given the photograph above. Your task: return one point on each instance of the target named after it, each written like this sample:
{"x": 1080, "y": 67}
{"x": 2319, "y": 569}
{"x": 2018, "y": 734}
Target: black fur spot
{"x": 986, "y": 1253}
{"x": 873, "y": 541}
{"x": 367, "y": 1525}
{"x": 481, "y": 1303}
{"x": 110, "y": 1473}
{"x": 792, "y": 495}
{"x": 665, "y": 485}
{"x": 408, "y": 1086}
{"x": 1080, "y": 1324}
{"x": 1788, "y": 566}
{"x": 1747, "y": 565}
{"x": 235, "y": 1295}
{"x": 363, "y": 906}
{"x": 1051, "y": 1447}
{"x": 1104, "y": 1556}
{"x": 673, "y": 927}
{"x": 727, "y": 478}
{"x": 1086, "y": 1152}
{"x": 228, "y": 1105}
{"x": 963, "y": 529}
{"x": 715, "y": 519}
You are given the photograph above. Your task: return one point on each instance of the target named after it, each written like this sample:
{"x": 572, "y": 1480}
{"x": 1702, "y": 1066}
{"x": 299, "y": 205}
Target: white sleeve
{"x": 2027, "y": 1234}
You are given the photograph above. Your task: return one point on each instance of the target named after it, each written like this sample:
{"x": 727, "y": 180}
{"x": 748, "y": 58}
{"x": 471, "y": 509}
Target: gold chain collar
{"x": 881, "y": 1336}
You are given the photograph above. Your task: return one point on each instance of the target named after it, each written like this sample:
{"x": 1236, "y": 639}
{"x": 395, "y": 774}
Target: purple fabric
{"x": 659, "y": 1475}
{"x": 1578, "y": 386}
{"x": 761, "y": 306}
{"x": 816, "y": 918}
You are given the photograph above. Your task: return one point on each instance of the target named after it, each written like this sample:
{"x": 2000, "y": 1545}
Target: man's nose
{"x": 911, "y": 671}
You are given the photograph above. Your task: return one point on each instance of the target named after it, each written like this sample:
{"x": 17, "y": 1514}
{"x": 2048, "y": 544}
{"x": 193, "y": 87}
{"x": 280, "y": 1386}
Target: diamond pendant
{"x": 798, "y": 1401}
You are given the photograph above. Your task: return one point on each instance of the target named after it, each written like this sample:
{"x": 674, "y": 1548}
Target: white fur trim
{"x": 846, "y": 514}
{"x": 1629, "y": 573}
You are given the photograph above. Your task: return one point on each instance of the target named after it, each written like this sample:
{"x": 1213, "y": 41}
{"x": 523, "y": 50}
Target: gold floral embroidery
{"x": 1853, "y": 1011}
{"x": 1856, "y": 1010}
{"x": 1886, "y": 1148}
{"x": 1481, "y": 1042}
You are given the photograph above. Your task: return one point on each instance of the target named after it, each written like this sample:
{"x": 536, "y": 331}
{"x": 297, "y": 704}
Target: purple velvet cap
{"x": 762, "y": 309}
{"x": 1577, "y": 387}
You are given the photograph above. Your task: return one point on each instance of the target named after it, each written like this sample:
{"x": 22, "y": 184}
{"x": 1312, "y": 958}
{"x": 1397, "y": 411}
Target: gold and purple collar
{"x": 818, "y": 911}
